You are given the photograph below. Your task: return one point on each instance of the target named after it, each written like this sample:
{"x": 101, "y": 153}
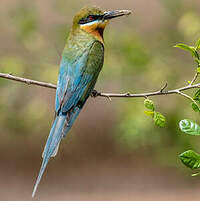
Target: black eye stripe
{"x": 90, "y": 18}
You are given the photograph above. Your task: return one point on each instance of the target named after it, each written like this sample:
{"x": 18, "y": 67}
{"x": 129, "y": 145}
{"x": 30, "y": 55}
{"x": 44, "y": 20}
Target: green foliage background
{"x": 139, "y": 57}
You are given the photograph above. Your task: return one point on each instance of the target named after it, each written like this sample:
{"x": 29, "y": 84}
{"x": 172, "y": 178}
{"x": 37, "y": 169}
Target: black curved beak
{"x": 116, "y": 13}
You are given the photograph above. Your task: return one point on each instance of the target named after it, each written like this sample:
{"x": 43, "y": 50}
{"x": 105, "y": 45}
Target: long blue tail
{"x": 58, "y": 131}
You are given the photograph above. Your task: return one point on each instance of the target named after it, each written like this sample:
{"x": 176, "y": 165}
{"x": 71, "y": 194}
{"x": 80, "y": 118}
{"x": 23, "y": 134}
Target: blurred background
{"x": 114, "y": 151}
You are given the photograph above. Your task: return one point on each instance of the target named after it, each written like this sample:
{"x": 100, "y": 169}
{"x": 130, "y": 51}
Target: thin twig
{"x": 106, "y": 95}
{"x": 188, "y": 97}
{"x": 164, "y": 87}
{"x": 194, "y": 78}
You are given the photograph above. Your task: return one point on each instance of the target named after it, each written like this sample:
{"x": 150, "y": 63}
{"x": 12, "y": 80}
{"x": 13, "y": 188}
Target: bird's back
{"x": 81, "y": 63}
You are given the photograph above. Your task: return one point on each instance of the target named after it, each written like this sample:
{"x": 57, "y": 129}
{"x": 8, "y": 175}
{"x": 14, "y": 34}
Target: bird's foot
{"x": 94, "y": 93}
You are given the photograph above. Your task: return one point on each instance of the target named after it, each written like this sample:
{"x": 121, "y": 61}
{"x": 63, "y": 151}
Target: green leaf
{"x": 190, "y": 159}
{"x": 149, "y": 113}
{"x": 198, "y": 63}
{"x": 198, "y": 69}
{"x": 159, "y": 119}
{"x": 191, "y": 49}
{"x": 196, "y": 96}
{"x": 149, "y": 104}
{"x": 189, "y": 127}
{"x": 195, "y": 107}
{"x": 196, "y": 55}
{"x": 198, "y": 44}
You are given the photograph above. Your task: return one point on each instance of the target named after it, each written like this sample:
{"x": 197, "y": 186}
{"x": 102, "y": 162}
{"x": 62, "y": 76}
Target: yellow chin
{"x": 96, "y": 29}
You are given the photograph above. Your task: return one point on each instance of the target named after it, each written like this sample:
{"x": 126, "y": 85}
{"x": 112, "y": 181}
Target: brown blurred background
{"x": 114, "y": 151}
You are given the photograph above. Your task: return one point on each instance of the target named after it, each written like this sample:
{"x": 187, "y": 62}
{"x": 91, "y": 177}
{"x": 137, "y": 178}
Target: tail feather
{"x": 55, "y": 136}
{"x": 53, "y": 141}
{"x": 55, "y": 151}
{"x": 58, "y": 131}
{"x": 42, "y": 169}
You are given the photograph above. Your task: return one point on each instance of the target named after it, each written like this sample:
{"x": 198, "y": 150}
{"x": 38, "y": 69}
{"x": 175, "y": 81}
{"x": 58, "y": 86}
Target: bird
{"x": 81, "y": 62}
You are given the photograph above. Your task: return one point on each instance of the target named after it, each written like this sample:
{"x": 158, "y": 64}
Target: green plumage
{"x": 81, "y": 42}
{"x": 94, "y": 66}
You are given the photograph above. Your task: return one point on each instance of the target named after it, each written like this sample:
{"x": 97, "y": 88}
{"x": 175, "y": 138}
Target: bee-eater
{"x": 81, "y": 62}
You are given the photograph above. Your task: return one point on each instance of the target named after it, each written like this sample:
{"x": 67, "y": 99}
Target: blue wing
{"x": 72, "y": 82}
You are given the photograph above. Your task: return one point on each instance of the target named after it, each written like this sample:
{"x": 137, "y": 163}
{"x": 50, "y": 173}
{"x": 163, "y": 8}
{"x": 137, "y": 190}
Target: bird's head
{"x": 93, "y": 20}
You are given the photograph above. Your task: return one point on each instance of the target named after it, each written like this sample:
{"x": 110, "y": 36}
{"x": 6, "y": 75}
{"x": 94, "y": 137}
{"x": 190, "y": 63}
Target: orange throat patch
{"x": 98, "y": 34}
{"x": 96, "y": 30}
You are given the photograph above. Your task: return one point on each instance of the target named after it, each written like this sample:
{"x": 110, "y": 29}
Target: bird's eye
{"x": 90, "y": 18}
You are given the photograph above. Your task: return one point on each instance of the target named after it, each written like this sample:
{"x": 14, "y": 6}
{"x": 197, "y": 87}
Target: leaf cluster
{"x": 158, "y": 118}
{"x": 190, "y": 158}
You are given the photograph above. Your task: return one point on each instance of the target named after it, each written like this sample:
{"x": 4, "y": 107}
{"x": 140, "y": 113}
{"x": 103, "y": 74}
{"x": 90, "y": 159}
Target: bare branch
{"x": 106, "y": 95}
{"x": 145, "y": 95}
{"x": 27, "y": 81}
